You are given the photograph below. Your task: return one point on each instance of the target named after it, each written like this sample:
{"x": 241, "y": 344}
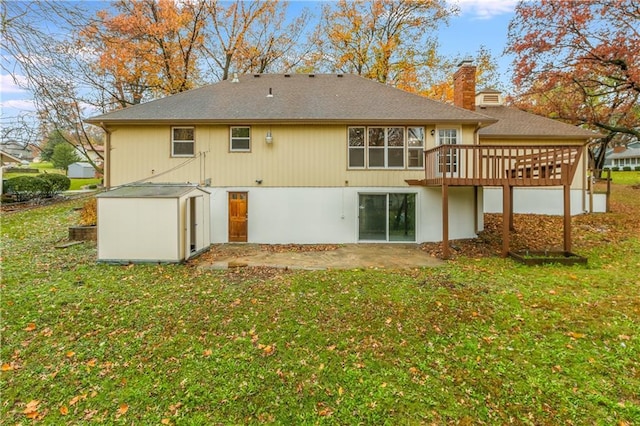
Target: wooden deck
{"x": 497, "y": 165}
{"x": 507, "y": 166}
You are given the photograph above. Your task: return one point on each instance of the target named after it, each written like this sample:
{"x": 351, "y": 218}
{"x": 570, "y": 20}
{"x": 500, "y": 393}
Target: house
{"x": 18, "y": 150}
{"x": 622, "y": 157}
{"x": 81, "y": 170}
{"x": 335, "y": 158}
{"x": 93, "y": 153}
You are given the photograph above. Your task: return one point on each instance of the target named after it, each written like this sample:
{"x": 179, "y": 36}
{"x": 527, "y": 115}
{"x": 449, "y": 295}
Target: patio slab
{"x": 320, "y": 257}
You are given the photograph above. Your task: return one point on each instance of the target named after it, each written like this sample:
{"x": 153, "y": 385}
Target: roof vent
{"x": 235, "y": 78}
{"x": 340, "y": 76}
{"x": 287, "y": 75}
{"x": 311, "y": 75}
{"x": 256, "y": 75}
{"x": 270, "y": 95}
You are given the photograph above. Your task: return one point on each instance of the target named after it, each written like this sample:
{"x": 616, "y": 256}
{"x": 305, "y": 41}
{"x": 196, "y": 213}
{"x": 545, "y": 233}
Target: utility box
{"x": 143, "y": 223}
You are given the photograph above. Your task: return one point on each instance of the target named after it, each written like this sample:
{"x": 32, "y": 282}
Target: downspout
{"x": 476, "y": 198}
{"x": 107, "y": 157}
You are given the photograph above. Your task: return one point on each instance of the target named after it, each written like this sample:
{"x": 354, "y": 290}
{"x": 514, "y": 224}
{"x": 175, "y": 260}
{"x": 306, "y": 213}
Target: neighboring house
{"x": 17, "y": 150}
{"x": 623, "y": 157}
{"x": 7, "y": 159}
{"x": 95, "y": 154}
{"x": 330, "y": 158}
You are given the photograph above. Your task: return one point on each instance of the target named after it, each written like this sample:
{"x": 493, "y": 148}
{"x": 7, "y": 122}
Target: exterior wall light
{"x": 268, "y": 138}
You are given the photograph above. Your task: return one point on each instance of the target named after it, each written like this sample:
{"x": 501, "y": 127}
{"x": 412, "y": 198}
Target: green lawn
{"x": 473, "y": 342}
{"x": 46, "y": 167}
{"x": 627, "y": 178}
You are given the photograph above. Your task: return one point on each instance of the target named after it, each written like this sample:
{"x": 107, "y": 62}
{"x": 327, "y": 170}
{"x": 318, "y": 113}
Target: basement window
{"x": 183, "y": 142}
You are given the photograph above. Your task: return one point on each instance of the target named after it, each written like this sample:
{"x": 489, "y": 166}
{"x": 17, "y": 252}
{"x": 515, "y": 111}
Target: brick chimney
{"x": 464, "y": 85}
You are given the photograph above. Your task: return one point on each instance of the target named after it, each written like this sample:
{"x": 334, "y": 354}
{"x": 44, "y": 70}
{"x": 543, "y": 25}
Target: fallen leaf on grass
{"x": 6, "y": 367}
{"x": 624, "y": 337}
{"x": 31, "y": 410}
{"x": 64, "y": 410}
{"x": 207, "y": 352}
{"x": 575, "y": 335}
{"x": 30, "y": 327}
{"x": 122, "y": 409}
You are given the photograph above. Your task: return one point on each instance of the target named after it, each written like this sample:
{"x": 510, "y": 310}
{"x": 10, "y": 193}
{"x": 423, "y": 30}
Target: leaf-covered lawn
{"x": 477, "y": 341}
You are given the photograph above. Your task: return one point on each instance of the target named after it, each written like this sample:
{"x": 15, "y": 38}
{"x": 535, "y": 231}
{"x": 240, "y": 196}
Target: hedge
{"x": 45, "y": 185}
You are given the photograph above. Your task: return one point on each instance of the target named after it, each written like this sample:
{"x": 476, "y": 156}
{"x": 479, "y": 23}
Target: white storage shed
{"x": 153, "y": 223}
{"x": 81, "y": 170}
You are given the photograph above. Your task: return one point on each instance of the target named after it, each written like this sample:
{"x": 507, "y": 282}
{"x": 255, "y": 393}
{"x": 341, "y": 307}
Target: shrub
{"x": 89, "y": 213}
{"x": 57, "y": 183}
{"x": 637, "y": 168}
{"x": 615, "y": 168}
{"x": 27, "y": 187}
{"x": 626, "y": 168}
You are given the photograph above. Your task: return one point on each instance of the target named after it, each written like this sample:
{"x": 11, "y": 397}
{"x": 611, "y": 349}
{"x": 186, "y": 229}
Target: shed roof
{"x": 293, "y": 98}
{"x": 150, "y": 190}
{"x": 515, "y": 123}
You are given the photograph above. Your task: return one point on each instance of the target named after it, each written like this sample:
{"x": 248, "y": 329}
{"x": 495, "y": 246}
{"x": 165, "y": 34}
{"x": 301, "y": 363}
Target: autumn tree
{"x": 251, "y": 36}
{"x": 390, "y": 41}
{"x": 580, "y": 62}
{"x": 148, "y": 48}
{"x": 439, "y": 82}
{"x": 39, "y": 52}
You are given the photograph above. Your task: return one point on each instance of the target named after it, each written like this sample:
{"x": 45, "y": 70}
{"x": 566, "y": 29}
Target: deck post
{"x": 506, "y": 209}
{"x": 567, "y": 217}
{"x": 445, "y": 221}
{"x": 511, "y": 227}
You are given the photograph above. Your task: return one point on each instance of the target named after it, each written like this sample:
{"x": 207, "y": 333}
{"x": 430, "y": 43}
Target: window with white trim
{"x": 240, "y": 139}
{"x": 183, "y": 142}
{"x": 378, "y": 147}
{"x": 415, "y": 147}
{"x": 449, "y": 162}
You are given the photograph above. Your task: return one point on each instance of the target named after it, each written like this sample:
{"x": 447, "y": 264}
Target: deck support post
{"x": 507, "y": 202}
{"x": 445, "y": 221}
{"x": 511, "y": 227}
{"x": 567, "y": 217}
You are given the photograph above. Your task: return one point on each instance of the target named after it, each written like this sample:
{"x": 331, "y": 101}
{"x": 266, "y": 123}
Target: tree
{"x": 149, "y": 48}
{"x": 580, "y": 62}
{"x": 390, "y": 41}
{"x": 63, "y": 156}
{"x": 250, "y": 36}
{"x": 439, "y": 82}
{"x": 47, "y": 61}
{"x": 54, "y": 139}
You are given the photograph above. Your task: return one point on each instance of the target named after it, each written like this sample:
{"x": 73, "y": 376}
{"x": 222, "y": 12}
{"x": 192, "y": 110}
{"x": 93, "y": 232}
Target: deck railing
{"x": 495, "y": 165}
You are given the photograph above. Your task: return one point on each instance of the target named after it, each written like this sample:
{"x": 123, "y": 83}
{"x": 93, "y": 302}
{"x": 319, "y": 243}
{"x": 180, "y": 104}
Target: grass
{"x": 47, "y": 167}
{"x": 477, "y": 341}
{"x": 625, "y": 178}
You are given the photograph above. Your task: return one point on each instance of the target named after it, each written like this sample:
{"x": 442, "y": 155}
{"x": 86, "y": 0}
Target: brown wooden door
{"x": 238, "y": 202}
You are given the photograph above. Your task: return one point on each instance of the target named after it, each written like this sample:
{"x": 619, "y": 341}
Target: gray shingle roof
{"x": 514, "y": 123}
{"x": 295, "y": 98}
{"x": 627, "y": 153}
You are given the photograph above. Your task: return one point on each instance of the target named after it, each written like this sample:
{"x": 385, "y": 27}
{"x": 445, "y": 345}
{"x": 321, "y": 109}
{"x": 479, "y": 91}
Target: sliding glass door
{"x": 387, "y": 217}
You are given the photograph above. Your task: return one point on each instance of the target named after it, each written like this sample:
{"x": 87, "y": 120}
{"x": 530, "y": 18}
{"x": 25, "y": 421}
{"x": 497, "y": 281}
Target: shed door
{"x": 238, "y": 215}
{"x": 194, "y": 235}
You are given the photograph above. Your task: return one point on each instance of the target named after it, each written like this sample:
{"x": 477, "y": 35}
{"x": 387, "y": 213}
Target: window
{"x": 385, "y": 147}
{"x": 448, "y": 163}
{"x": 240, "y": 139}
{"x": 415, "y": 151}
{"x": 387, "y": 217}
{"x": 356, "y": 147}
{"x": 182, "y": 142}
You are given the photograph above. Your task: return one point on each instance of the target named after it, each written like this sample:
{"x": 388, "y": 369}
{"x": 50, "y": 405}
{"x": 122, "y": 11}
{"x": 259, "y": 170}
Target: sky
{"x": 479, "y": 23}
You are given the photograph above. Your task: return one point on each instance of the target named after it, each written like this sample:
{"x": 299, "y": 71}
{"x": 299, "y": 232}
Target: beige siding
{"x": 299, "y": 156}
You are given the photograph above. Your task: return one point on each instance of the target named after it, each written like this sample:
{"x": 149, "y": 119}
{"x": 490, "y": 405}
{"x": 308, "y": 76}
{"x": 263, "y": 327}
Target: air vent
{"x": 311, "y": 75}
{"x": 491, "y": 99}
{"x": 339, "y": 75}
{"x": 256, "y": 75}
{"x": 287, "y": 75}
